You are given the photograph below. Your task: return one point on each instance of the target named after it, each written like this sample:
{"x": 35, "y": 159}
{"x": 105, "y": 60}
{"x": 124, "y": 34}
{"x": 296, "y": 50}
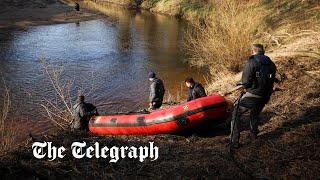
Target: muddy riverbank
{"x": 22, "y": 14}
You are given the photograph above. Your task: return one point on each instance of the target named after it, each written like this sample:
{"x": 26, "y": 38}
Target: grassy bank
{"x": 285, "y": 28}
{"x": 194, "y": 10}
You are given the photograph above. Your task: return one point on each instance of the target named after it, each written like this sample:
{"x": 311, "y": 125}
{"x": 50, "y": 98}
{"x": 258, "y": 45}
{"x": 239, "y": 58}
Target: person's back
{"x": 77, "y": 6}
{"x": 157, "y": 91}
{"x": 159, "y": 87}
{"x": 259, "y": 75}
{"x": 82, "y": 112}
{"x": 79, "y": 118}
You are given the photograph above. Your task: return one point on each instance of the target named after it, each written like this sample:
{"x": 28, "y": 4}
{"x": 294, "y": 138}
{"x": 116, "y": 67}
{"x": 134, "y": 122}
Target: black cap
{"x": 152, "y": 75}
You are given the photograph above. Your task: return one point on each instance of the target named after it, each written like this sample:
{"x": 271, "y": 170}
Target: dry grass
{"x": 172, "y": 99}
{"x": 224, "y": 44}
{"x": 7, "y": 132}
{"x": 186, "y": 9}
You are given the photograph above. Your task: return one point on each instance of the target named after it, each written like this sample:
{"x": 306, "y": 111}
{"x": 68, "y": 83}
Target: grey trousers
{"x": 254, "y": 106}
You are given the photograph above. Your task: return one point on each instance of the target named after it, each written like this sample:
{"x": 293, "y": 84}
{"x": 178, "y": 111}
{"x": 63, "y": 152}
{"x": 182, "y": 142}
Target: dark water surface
{"x": 114, "y": 55}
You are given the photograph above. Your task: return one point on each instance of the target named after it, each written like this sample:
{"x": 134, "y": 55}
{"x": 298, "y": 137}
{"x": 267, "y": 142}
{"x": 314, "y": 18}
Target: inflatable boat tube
{"x": 163, "y": 121}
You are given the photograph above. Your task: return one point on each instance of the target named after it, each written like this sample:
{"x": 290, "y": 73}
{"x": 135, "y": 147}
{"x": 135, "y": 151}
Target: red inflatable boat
{"x": 163, "y": 121}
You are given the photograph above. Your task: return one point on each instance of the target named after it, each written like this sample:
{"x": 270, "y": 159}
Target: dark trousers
{"x": 254, "y": 106}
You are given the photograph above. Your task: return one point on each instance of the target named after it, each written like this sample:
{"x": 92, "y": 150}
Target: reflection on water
{"x": 115, "y": 54}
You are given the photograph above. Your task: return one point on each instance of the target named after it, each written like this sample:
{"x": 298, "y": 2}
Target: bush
{"x": 223, "y": 43}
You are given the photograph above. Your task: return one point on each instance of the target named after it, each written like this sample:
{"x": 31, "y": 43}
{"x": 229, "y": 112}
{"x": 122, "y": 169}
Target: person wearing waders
{"x": 82, "y": 112}
{"x": 157, "y": 91}
{"x": 258, "y": 78}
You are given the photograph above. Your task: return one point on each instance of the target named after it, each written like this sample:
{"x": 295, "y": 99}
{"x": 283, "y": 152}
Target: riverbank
{"x": 21, "y": 14}
{"x": 285, "y": 148}
{"x": 186, "y": 9}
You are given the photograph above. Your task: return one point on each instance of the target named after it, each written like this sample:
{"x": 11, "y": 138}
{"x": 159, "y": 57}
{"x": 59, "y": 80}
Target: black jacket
{"x": 82, "y": 112}
{"x": 157, "y": 90}
{"x": 196, "y": 91}
{"x": 251, "y": 79}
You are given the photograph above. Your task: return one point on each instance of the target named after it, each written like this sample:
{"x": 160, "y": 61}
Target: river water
{"x": 111, "y": 57}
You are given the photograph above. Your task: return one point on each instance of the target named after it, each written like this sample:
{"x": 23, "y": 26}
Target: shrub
{"x": 224, "y": 43}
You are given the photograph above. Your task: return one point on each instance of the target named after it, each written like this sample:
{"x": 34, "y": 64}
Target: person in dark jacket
{"x": 258, "y": 77}
{"x": 82, "y": 112}
{"x": 157, "y": 91}
{"x": 77, "y": 6}
{"x": 196, "y": 90}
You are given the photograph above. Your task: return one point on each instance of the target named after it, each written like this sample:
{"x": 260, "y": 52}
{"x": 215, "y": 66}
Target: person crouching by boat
{"x": 157, "y": 91}
{"x": 196, "y": 90}
{"x": 82, "y": 112}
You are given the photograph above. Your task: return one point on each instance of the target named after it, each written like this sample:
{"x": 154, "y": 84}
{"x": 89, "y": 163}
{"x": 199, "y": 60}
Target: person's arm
{"x": 275, "y": 79}
{"x": 201, "y": 91}
{"x": 81, "y": 111}
{"x": 93, "y": 112}
{"x": 152, "y": 96}
{"x": 247, "y": 77}
{"x": 189, "y": 95}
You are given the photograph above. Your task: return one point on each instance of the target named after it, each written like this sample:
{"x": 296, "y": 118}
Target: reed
{"x": 7, "y": 131}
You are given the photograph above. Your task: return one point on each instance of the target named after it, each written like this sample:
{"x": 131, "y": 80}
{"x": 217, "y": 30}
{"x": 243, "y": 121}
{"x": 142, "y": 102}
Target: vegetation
{"x": 286, "y": 28}
{"x": 7, "y": 132}
{"x": 187, "y": 9}
{"x": 58, "y": 109}
{"x": 58, "y": 106}
{"x": 224, "y": 43}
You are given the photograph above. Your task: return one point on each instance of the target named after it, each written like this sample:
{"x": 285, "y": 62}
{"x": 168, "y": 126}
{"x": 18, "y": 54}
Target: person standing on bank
{"x": 77, "y": 6}
{"x": 258, "y": 77}
{"x": 157, "y": 91}
{"x": 82, "y": 112}
{"x": 196, "y": 89}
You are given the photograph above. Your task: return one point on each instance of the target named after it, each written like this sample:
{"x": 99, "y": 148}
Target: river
{"x": 110, "y": 56}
